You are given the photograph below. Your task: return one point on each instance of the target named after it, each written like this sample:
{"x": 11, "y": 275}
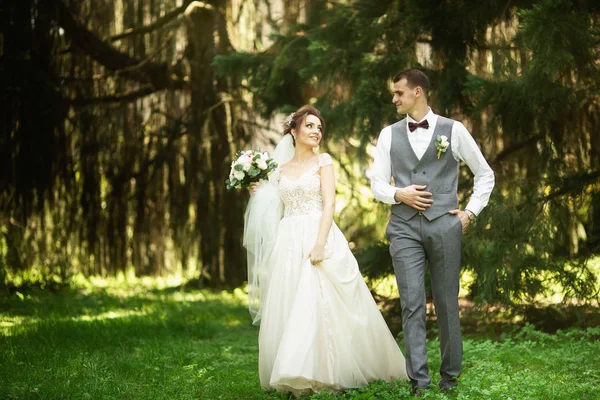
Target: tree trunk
{"x": 219, "y": 213}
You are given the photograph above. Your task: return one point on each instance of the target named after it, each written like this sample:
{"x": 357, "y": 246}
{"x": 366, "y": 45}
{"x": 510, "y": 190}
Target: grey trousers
{"x": 413, "y": 243}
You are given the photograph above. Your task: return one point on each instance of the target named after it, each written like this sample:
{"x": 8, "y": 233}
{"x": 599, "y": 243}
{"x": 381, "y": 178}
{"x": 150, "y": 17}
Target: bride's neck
{"x": 301, "y": 155}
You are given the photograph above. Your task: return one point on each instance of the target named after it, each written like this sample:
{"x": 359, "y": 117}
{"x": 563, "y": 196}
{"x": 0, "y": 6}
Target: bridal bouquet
{"x": 250, "y": 166}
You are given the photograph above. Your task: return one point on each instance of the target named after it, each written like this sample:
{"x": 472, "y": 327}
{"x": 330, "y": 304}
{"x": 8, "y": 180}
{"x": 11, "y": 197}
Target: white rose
{"x": 262, "y": 164}
{"x": 444, "y": 141}
{"x": 239, "y": 175}
{"x": 245, "y": 161}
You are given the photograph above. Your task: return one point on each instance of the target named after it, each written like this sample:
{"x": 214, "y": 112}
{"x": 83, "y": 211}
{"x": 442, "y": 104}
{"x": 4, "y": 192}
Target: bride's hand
{"x": 254, "y": 186}
{"x": 317, "y": 254}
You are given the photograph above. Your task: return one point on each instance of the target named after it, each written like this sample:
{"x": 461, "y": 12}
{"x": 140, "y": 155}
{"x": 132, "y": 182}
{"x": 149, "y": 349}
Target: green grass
{"x": 145, "y": 341}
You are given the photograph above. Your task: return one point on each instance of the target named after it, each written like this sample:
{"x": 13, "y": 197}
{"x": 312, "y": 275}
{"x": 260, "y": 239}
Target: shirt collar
{"x": 430, "y": 116}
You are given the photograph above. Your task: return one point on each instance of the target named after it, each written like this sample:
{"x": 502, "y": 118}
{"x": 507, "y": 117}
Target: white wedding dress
{"x": 320, "y": 326}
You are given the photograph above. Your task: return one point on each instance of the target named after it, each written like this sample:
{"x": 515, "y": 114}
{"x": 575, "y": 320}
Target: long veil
{"x": 261, "y": 220}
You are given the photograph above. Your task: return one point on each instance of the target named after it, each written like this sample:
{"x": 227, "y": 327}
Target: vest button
{"x": 424, "y": 172}
{"x": 414, "y": 171}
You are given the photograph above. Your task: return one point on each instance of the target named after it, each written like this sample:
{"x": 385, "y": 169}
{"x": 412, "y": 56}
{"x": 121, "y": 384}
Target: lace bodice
{"x": 302, "y": 196}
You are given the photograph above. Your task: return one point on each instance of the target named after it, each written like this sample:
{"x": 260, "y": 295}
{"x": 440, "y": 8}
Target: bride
{"x": 319, "y": 325}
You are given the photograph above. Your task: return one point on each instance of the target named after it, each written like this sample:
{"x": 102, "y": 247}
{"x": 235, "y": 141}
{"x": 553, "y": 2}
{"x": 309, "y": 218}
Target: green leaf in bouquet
{"x": 253, "y": 171}
{"x": 245, "y": 183}
{"x": 238, "y": 167}
{"x": 231, "y": 184}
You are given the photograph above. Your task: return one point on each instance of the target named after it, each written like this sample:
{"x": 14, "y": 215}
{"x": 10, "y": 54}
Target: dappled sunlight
{"x": 8, "y": 325}
{"x": 188, "y": 296}
{"x": 12, "y": 326}
{"x": 171, "y": 288}
{"x": 130, "y": 285}
{"x": 123, "y": 304}
{"x": 241, "y": 294}
{"x": 386, "y": 287}
{"x": 554, "y": 293}
{"x": 123, "y": 254}
{"x": 233, "y": 323}
{"x": 113, "y": 314}
{"x": 156, "y": 343}
{"x": 466, "y": 280}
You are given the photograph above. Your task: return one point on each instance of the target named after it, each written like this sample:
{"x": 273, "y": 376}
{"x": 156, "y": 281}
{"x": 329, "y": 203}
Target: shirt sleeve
{"x": 381, "y": 173}
{"x": 465, "y": 149}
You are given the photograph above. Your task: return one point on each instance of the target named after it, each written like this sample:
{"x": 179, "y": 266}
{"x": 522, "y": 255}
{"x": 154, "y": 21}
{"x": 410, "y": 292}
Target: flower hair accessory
{"x": 289, "y": 119}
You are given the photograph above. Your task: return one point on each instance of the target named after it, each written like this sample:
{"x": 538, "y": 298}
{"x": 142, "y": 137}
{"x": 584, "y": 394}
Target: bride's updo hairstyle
{"x": 295, "y": 119}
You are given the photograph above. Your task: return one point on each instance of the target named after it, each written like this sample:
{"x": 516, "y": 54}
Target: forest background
{"x": 120, "y": 119}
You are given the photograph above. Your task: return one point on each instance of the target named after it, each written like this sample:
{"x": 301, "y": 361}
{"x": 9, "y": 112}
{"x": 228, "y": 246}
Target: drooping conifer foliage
{"x": 120, "y": 119}
{"x": 523, "y": 76}
{"x": 116, "y": 141}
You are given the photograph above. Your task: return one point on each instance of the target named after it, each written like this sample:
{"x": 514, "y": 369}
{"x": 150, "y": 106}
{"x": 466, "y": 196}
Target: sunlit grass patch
{"x": 159, "y": 341}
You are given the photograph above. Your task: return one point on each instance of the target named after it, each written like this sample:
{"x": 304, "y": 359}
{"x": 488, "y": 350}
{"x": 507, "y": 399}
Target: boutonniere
{"x": 441, "y": 144}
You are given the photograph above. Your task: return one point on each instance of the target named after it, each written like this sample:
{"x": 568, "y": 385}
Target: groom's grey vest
{"x": 440, "y": 176}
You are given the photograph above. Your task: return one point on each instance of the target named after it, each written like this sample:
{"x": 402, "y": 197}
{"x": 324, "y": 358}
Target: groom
{"x": 422, "y": 153}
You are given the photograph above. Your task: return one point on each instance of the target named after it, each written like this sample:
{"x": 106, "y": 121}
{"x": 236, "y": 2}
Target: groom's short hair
{"x": 414, "y": 77}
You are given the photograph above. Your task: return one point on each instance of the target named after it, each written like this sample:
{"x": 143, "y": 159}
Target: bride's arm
{"x": 328, "y": 194}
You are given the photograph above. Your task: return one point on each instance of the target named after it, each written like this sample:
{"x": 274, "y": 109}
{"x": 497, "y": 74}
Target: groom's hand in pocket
{"x": 414, "y": 196}
{"x": 463, "y": 216}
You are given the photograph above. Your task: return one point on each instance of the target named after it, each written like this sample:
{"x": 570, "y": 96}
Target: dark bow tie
{"x": 423, "y": 124}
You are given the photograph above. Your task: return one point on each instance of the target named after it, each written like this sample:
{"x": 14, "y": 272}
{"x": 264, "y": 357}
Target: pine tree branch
{"x": 513, "y": 149}
{"x": 573, "y": 184}
{"x": 159, "y": 23}
{"x": 479, "y": 46}
{"x": 163, "y": 21}
{"x": 157, "y": 74}
{"x": 117, "y": 98}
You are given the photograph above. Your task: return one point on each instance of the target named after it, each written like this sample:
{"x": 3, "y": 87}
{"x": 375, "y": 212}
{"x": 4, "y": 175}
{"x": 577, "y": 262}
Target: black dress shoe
{"x": 417, "y": 391}
{"x": 447, "y": 384}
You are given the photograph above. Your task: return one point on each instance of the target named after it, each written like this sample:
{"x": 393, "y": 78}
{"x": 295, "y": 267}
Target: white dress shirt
{"x": 463, "y": 147}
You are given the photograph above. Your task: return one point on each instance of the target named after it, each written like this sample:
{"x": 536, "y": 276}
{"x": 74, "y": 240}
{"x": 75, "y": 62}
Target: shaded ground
{"x": 492, "y": 322}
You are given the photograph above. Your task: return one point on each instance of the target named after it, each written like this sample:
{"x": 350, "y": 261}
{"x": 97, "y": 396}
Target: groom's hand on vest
{"x": 414, "y": 196}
